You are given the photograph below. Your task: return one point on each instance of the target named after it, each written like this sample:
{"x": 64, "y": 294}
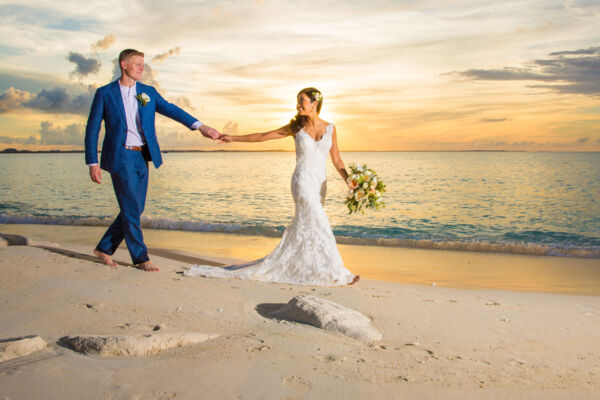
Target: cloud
{"x": 84, "y": 66}
{"x": 58, "y": 100}
{"x": 523, "y": 143}
{"x": 13, "y": 99}
{"x": 46, "y": 16}
{"x": 28, "y": 81}
{"x": 231, "y": 128}
{"x": 183, "y": 102}
{"x": 582, "y": 140}
{"x": 69, "y": 135}
{"x": 246, "y": 96}
{"x": 591, "y": 50}
{"x": 570, "y": 71}
{"x": 487, "y": 120}
{"x": 11, "y": 140}
{"x": 505, "y": 74}
{"x": 104, "y": 44}
{"x": 162, "y": 57}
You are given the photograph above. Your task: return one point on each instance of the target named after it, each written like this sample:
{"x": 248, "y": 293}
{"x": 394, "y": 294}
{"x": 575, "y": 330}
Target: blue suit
{"x": 128, "y": 168}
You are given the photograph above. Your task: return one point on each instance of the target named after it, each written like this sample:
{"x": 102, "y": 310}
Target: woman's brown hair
{"x": 313, "y": 94}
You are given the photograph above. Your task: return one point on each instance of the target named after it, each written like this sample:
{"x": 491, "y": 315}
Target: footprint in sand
{"x": 296, "y": 381}
{"x": 94, "y": 306}
{"x": 378, "y": 346}
{"x": 156, "y": 395}
{"x": 258, "y": 349}
{"x": 330, "y": 358}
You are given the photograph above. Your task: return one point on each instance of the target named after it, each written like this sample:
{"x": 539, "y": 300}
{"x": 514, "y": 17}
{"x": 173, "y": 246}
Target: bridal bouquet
{"x": 369, "y": 190}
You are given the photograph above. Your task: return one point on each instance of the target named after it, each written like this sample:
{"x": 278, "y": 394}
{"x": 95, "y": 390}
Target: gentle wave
{"x": 198, "y": 226}
{"x": 147, "y": 223}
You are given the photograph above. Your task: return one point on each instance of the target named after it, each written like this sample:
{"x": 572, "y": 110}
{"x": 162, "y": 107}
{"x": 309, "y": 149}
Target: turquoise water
{"x": 528, "y": 203}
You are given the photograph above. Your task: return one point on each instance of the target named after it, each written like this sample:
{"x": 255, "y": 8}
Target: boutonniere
{"x": 143, "y": 98}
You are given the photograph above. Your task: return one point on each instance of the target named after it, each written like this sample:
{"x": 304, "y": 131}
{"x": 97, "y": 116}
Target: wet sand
{"x": 445, "y": 268}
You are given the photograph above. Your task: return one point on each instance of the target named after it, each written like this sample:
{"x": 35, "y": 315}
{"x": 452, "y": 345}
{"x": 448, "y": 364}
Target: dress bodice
{"x": 311, "y": 154}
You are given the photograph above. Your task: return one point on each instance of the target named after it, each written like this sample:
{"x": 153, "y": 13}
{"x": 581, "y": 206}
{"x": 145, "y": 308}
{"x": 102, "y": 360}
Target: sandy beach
{"x": 537, "y": 341}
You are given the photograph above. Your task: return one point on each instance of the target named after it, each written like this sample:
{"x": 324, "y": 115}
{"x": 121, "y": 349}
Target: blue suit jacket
{"x": 108, "y": 106}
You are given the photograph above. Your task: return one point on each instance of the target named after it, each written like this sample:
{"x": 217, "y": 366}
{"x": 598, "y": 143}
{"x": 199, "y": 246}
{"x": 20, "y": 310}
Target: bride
{"x": 307, "y": 253}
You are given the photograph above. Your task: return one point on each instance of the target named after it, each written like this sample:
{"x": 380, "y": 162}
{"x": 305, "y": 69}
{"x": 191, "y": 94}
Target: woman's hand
{"x": 351, "y": 183}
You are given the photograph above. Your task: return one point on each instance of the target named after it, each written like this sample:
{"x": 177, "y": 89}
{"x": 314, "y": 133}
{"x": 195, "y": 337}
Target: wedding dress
{"x": 307, "y": 253}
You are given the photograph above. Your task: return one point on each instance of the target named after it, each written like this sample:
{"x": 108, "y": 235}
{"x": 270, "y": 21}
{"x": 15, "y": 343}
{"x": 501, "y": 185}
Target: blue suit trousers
{"x": 131, "y": 185}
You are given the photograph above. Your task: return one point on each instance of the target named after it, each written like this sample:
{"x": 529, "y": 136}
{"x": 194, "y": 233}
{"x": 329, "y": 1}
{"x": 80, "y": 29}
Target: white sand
{"x": 437, "y": 342}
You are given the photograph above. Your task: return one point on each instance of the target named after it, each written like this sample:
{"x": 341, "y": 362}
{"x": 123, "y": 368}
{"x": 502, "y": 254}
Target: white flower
{"x": 143, "y": 98}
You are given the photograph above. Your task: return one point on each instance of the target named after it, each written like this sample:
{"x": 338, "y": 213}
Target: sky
{"x": 395, "y": 75}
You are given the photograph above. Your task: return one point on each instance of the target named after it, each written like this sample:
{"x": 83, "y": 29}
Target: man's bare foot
{"x": 147, "y": 266}
{"x": 356, "y": 279}
{"x": 106, "y": 259}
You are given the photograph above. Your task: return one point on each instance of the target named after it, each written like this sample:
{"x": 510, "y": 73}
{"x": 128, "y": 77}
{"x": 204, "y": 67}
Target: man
{"x": 128, "y": 110}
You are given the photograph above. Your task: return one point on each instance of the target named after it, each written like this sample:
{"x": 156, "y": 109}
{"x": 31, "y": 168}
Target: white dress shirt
{"x": 135, "y": 133}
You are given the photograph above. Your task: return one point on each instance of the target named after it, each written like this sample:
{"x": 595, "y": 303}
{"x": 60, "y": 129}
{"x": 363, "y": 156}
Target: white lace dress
{"x": 307, "y": 253}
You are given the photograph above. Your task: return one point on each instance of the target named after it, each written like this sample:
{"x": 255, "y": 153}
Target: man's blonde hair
{"x": 127, "y": 53}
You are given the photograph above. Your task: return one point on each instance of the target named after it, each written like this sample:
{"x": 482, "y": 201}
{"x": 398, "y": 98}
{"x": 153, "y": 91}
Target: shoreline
{"x": 444, "y": 268}
{"x": 166, "y": 224}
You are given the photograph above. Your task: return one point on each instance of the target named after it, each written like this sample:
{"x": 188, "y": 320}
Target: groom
{"x": 128, "y": 109}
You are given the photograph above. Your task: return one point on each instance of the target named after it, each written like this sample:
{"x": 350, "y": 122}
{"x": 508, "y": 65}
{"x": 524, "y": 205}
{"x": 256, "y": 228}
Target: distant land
{"x": 15, "y": 151}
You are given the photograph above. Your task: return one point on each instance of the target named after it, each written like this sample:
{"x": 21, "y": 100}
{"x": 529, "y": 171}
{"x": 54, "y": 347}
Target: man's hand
{"x": 209, "y": 132}
{"x": 96, "y": 173}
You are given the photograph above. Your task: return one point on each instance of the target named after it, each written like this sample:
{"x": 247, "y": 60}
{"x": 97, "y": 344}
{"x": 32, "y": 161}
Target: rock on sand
{"x": 19, "y": 347}
{"x": 328, "y": 315}
{"x": 129, "y": 345}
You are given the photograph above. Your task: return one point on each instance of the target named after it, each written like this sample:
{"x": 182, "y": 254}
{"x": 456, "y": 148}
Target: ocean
{"x": 542, "y": 203}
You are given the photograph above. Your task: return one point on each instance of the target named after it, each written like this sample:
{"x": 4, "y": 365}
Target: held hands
{"x": 212, "y": 133}
{"x": 226, "y": 139}
{"x": 209, "y": 132}
{"x": 96, "y": 173}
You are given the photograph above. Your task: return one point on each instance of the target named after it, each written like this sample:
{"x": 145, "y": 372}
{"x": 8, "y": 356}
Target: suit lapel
{"x": 116, "y": 91}
{"x": 139, "y": 90}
